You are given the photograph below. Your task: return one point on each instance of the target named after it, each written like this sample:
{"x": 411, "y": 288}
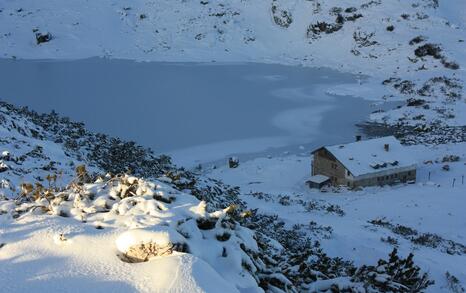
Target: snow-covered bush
{"x": 417, "y": 40}
{"x": 315, "y": 30}
{"x": 3, "y": 166}
{"x": 424, "y": 239}
{"x": 139, "y": 245}
{"x": 6, "y": 156}
{"x": 450, "y": 158}
{"x": 393, "y": 275}
{"x": 103, "y": 153}
{"x": 390, "y": 240}
{"x": 429, "y": 49}
{"x": 454, "y": 284}
{"x": 281, "y": 17}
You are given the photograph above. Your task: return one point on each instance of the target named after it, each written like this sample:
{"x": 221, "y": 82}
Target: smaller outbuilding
{"x": 318, "y": 181}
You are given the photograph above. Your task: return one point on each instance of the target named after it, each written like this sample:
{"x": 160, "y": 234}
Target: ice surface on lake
{"x": 196, "y": 112}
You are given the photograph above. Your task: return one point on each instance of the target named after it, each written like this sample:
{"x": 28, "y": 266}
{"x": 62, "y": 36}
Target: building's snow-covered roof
{"x": 369, "y": 156}
{"x": 319, "y": 178}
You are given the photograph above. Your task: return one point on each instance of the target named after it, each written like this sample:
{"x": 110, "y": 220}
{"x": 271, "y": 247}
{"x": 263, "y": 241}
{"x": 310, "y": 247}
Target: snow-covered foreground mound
{"x": 122, "y": 234}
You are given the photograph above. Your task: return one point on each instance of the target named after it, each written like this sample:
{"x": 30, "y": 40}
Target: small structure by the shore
{"x": 318, "y": 181}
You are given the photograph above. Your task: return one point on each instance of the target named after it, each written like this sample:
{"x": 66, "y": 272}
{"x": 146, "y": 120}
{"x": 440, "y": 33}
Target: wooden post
{"x": 453, "y": 185}
{"x": 462, "y": 179}
{"x": 429, "y": 175}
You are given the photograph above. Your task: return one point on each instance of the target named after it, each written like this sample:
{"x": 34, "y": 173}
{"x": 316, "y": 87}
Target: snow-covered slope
{"x": 60, "y": 231}
{"x": 77, "y": 232}
{"x": 103, "y": 233}
{"x": 425, "y": 218}
{"x": 36, "y": 146}
{"x": 233, "y": 30}
{"x": 67, "y": 228}
{"x": 61, "y": 237}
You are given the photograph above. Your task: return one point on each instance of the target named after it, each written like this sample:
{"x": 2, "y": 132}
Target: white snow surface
{"x": 318, "y": 178}
{"x": 35, "y": 257}
{"x": 432, "y": 205}
{"x": 72, "y": 244}
{"x": 88, "y": 262}
{"x": 224, "y": 31}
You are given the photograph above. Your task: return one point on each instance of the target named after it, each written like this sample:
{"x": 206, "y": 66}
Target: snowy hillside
{"x": 69, "y": 228}
{"x": 275, "y": 30}
{"x": 84, "y": 211}
{"x": 426, "y": 218}
{"x": 98, "y": 229}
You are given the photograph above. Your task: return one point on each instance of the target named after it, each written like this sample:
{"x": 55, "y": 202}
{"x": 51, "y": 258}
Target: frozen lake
{"x": 196, "y": 112}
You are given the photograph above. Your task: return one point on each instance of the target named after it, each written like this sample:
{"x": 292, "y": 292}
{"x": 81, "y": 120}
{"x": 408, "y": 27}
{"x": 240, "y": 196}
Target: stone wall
{"x": 324, "y": 163}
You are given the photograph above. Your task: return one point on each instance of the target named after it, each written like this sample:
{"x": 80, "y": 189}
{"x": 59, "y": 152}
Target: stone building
{"x": 371, "y": 162}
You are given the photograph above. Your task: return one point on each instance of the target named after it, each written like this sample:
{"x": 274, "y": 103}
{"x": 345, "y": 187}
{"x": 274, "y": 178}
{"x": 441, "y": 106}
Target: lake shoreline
{"x": 193, "y": 109}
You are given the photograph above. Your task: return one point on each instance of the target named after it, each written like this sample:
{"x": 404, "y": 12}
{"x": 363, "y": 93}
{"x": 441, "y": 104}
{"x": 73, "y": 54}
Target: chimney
{"x": 358, "y": 138}
{"x": 386, "y": 147}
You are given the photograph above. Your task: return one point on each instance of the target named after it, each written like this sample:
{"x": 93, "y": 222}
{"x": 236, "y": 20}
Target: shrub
{"x": 450, "y": 158}
{"x": 145, "y": 251}
{"x": 281, "y": 18}
{"x": 450, "y": 64}
{"x": 390, "y": 240}
{"x": 364, "y": 39}
{"x": 453, "y": 283}
{"x": 412, "y": 102}
{"x": 429, "y": 49}
{"x": 417, "y": 40}
{"x": 393, "y": 275}
{"x": 428, "y": 239}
